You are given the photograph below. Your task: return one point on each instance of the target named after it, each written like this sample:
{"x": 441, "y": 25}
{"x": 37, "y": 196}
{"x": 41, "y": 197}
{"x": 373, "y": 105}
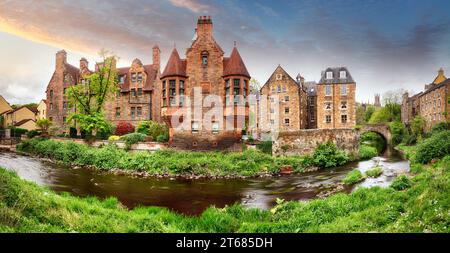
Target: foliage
{"x": 389, "y": 113}
{"x": 153, "y": 129}
{"x": 327, "y": 155}
{"x": 398, "y": 131}
{"x": 374, "y": 140}
{"x": 16, "y": 131}
{"x": 92, "y": 122}
{"x": 353, "y": 177}
{"x": 409, "y": 139}
{"x": 123, "y": 128}
{"x": 132, "y": 138}
{"x": 440, "y": 127}
{"x": 418, "y": 126}
{"x": 374, "y": 172}
{"x": 368, "y": 114}
{"x": 265, "y": 146}
{"x": 162, "y": 138}
{"x": 73, "y": 132}
{"x": 401, "y": 183}
{"x": 437, "y": 146}
{"x": 26, "y": 207}
{"x": 44, "y": 124}
{"x": 113, "y": 138}
{"x": 33, "y": 133}
{"x": 367, "y": 152}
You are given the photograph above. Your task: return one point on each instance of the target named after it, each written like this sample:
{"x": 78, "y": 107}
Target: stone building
{"x": 136, "y": 100}
{"x": 203, "y": 97}
{"x": 432, "y": 103}
{"x": 336, "y": 107}
{"x": 284, "y": 101}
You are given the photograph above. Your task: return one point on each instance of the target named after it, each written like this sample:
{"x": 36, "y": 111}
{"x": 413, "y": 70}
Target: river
{"x": 191, "y": 197}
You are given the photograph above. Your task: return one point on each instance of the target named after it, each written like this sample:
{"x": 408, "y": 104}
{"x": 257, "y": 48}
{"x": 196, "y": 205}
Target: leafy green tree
{"x": 418, "y": 126}
{"x": 398, "y": 131}
{"x": 368, "y": 114}
{"x": 44, "y": 125}
{"x": 89, "y": 96}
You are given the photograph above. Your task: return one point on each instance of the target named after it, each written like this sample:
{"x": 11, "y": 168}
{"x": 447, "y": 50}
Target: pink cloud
{"x": 191, "y": 5}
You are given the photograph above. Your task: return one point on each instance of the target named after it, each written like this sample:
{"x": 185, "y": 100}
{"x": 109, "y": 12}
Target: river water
{"x": 191, "y": 197}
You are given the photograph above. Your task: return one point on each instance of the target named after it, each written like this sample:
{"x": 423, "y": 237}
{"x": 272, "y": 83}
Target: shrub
{"x": 265, "y": 147}
{"x": 398, "y": 131}
{"x": 33, "y": 133}
{"x": 440, "y": 127}
{"x": 409, "y": 139}
{"x": 327, "y": 155}
{"x": 375, "y": 172}
{"x": 367, "y": 152}
{"x": 401, "y": 183}
{"x": 353, "y": 177}
{"x": 162, "y": 138}
{"x": 113, "y": 138}
{"x": 416, "y": 168}
{"x": 153, "y": 129}
{"x": 123, "y": 128}
{"x": 73, "y": 132}
{"x": 437, "y": 146}
{"x": 132, "y": 138}
{"x": 17, "y": 132}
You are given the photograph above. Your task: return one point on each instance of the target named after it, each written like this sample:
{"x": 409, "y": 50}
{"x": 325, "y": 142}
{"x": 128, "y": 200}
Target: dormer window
{"x": 204, "y": 58}
{"x": 140, "y": 77}
{"x": 133, "y": 77}
{"x": 329, "y": 75}
{"x": 342, "y": 74}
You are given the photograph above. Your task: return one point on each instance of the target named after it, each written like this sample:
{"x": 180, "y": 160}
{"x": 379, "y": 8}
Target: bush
{"x": 123, "y": 128}
{"x": 113, "y": 138}
{"x": 162, "y": 138}
{"x": 398, "y": 131}
{"x": 132, "y": 138}
{"x": 409, "y": 139}
{"x": 73, "y": 132}
{"x": 440, "y": 127}
{"x": 374, "y": 140}
{"x": 353, "y": 177}
{"x": 375, "y": 172}
{"x": 153, "y": 129}
{"x": 17, "y": 132}
{"x": 401, "y": 183}
{"x": 327, "y": 155}
{"x": 265, "y": 147}
{"x": 437, "y": 146}
{"x": 367, "y": 152}
{"x": 33, "y": 133}
{"x": 416, "y": 168}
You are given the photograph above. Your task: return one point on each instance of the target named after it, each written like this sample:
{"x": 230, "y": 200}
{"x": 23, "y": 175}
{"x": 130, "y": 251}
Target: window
{"x": 64, "y": 105}
{"x": 342, "y": 74}
{"x": 140, "y": 77}
{"x": 286, "y": 110}
{"x": 286, "y": 98}
{"x": 164, "y": 94}
{"x": 117, "y": 112}
{"x": 328, "y": 90}
{"x": 284, "y": 88}
{"x": 172, "y": 92}
{"x": 327, "y": 106}
{"x": 286, "y": 122}
{"x": 132, "y": 112}
{"x": 139, "y": 91}
{"x": 133, "y": 77}
{"x": 343, "y": 89}
{"x": 344, "y": 118}
{"x": 236, "y": 90}
{"x": 121, "y": 78}
{"x": 279, "y": 77}
{"x": 133, "y": 92}
{"x": 194, "y": 126}
{"x": 328, "y": 118}
{"x": 227, "y": 91}
{"x": 51, "y": 94}
{"x": 181, "y": 91}
{"x": 204, "y": 58}
{"x": 329, "y": 75}
{"x": 139, "y": 111}
{"x": 51, "y": 106}
{"x": 312, "y": 117}
{"x": 343, "y": 105}
{"x": 272, "y": 122}
{"x": 279, "y": 88}
{"x": 215, "y": 127}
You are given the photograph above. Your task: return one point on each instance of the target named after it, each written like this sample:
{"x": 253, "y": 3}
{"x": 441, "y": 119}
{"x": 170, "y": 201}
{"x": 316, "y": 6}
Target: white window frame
{"x": 329, "y": 75}
{"x": 328, "y": 88}
{"x": 342, "y": 74}
{"x": 194, "y": 129}
{"x": 215, "y": 127}
{"x": 344, "y": 88}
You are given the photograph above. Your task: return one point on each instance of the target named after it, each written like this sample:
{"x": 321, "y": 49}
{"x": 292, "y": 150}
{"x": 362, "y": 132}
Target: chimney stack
{"x": 156, "y": 57}
{"x": 204, "y": 26}
{"x": 61, "y": 59}
{"x": 84, "y": 64}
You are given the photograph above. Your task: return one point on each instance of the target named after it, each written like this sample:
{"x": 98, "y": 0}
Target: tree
{"x": 89, "y": 96}
{"x": 255, "y": 85}
{"x": 44, "y": 125}
{"x": 418, "y": 126}
{"x": 393, "y": 96}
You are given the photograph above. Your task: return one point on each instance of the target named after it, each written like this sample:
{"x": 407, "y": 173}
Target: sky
{"x": 385, "y": 45}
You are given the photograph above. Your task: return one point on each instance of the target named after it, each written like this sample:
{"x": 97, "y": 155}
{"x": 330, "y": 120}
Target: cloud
{"x": 191, "y": 5}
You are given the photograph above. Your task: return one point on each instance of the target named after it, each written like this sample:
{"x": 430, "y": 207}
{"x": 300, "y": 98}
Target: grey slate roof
{"x": 311, "y": 88}
{"x": 336, "y": 79}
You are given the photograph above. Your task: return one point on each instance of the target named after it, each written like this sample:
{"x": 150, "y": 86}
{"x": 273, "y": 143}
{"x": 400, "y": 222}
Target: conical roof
{"x": 175, "y": 66}
{"x": 234, "y": 65}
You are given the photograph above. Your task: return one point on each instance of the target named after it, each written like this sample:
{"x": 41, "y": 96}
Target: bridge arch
{"x": 381, "y": 129}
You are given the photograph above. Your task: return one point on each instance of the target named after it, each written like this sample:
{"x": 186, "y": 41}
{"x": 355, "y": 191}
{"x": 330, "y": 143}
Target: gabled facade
{"x": 4, "y": 105}
{"x": 21, "y": 117}
{"x": 285, "y": 102}
{"x": 336, "y": 107}
{"x": 190, "y": 88}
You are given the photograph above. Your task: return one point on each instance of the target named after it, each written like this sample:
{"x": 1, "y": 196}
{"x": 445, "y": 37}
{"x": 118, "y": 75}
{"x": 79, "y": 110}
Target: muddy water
{"x": 193, "y": 196}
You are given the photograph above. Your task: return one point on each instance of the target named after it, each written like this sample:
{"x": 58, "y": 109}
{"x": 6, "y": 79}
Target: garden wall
{"x": 305, "y": 141}
{"x": 141, "y": 146}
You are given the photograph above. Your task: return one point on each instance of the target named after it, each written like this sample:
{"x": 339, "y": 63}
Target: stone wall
{"x": 141, "y": 146}
{"x": 305, "y": 141}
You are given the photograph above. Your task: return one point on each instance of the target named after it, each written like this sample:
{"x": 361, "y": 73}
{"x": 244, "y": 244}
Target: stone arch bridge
{"x": 382, "y": 129}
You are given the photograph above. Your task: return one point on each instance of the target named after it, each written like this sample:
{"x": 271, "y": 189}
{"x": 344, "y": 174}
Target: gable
{"x": 4, "y": 105}
{"x": 285, "y": 78}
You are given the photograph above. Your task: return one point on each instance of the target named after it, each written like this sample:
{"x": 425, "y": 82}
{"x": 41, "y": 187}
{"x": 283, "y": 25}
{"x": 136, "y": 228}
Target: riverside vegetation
{"x": 173, "y": 163}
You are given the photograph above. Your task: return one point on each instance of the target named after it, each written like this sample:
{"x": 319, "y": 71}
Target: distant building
{"x": 22, "y": 117}
{"x": 336, "y": 106}
{"x": 4, "y": 105}
{"x": 42, "y": 109}
{"x": 377, "y": 102}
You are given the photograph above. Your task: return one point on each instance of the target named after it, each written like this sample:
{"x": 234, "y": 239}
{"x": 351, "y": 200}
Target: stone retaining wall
{"x": 141, "y": 146}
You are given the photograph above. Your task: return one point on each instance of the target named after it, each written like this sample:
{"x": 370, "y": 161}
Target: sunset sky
{"x": 385, "y": 44}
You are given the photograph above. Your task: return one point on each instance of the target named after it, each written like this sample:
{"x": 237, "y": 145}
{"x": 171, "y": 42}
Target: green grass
{"x": 367, "y": 152}
{"x": 423, "y": 207}
{"x": 374, "y": 172}
{"x": 353, "y": 177}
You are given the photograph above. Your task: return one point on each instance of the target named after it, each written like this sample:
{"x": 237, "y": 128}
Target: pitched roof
{"x": 73, "y": 71}
{"x": 150, "y": 70}
{"x": 29, "y": 107}
{"x": 336, "y": 78}
{"x": 175, "y": 65}
{"x": 279, "y": 68}
{"x": 437, "y": 86}
{"x": 234, "y": 65}
{"x": 22, "y": 122}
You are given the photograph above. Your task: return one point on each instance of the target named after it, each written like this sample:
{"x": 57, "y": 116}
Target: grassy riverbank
{"x": 421, "y": 206}
{"x": 179, "y": 163}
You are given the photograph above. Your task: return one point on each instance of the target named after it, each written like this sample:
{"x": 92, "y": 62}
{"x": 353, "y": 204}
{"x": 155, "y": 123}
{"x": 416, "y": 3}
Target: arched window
{"x": 204, "y": 58}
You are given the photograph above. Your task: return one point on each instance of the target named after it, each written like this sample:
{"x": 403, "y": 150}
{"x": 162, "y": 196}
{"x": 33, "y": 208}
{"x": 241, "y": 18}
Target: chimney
{"x": 156, "y": 57}
{"x": 441, "y": 72}
{"x": 84, "y": 64}
{"x": 61, "y": 59}
{"x": 204, "y": 26}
